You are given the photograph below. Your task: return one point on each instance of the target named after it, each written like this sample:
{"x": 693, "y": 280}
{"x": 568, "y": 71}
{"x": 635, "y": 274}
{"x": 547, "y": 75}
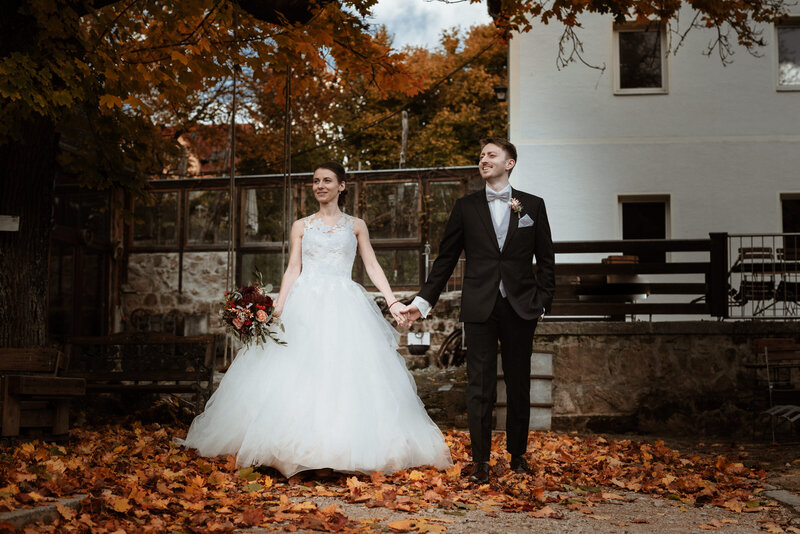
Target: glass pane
{"x": 92, "y": 302}
{"x": 156, "y": 223}
{"x": 263, "y": 221}
{"x": 401, "y": 267}
{"x": 645, "y": 220}
{"x": 84, "y": 212}
{"x": 639, "y": 59}
{"x": 60, "y": 297}
{"x": 208, "y": 217}
{"x": 269, "y": 264}
{"x": 443, "y": 196}
{"x": 392, "y": 210}
{"x": 790, "y": 211}
{"x": 789, "y": 55}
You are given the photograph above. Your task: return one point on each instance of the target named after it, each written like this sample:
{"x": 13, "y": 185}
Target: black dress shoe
{"x": 519, "y": 464}
{"x": 480, "y": 473}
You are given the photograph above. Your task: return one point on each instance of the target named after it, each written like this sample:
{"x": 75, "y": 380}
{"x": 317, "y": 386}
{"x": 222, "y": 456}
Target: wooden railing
{"x": 618, "y": 278}
{"x": 758, "y": 279}
{"x": 618, "y": 284}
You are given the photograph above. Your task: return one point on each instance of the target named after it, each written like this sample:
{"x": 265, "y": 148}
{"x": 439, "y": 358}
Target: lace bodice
{"x": 329, "y": 250}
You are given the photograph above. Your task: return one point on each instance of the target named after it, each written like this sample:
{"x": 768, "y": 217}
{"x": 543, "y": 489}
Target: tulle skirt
{"x": 336, "y": 396}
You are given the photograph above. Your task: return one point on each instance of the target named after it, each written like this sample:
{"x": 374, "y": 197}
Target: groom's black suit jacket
{"x": 470, "y": 229}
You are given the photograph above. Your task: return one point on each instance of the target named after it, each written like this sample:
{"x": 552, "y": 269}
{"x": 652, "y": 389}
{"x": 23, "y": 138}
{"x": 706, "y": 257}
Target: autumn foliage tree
{"x": 85, "y": 86}
{"x": 88, "y": 87}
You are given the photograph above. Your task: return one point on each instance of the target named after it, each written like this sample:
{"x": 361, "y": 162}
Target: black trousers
{"x": 516, "y": 342}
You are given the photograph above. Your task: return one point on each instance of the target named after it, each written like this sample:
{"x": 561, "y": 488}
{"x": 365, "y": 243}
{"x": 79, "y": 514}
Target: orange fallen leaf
{"x": 416, "y": 475}
{"x": 65, "y": 512}
{"x": 120, "y": 504}
{"x": 544, "y": 512}
{"x": 404, "y": 525}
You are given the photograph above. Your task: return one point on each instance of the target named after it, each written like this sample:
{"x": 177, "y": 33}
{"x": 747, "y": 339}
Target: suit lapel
{"x": 513, "y": 222}
{"x": 482, "y": 207}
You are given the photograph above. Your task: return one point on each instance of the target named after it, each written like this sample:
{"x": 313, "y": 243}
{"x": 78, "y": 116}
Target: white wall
{"x": 723, "y": 143}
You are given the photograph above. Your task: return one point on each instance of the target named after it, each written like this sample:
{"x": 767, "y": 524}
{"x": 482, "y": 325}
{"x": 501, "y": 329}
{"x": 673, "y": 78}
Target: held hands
{"x": 412, "y": 313}
{"x": 398, "y": 311}
{"x": 404, "y": 315}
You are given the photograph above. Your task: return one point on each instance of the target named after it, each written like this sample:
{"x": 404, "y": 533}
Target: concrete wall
{"x": 722, "y": 143}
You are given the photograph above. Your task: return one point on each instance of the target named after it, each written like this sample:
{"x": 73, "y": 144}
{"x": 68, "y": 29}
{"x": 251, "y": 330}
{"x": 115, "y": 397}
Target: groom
{"x": 500, "y": 230}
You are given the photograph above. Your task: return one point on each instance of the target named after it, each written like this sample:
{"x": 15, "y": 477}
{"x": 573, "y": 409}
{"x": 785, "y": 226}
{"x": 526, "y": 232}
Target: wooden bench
{"x": 146, "y": 362}
{"x": 33, "y": 393}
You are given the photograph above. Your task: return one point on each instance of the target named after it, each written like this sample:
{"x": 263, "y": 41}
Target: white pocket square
{"x": 525, "y": 221}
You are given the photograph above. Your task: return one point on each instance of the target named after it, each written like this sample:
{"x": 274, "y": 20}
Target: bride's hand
{"x": 398, "y": 312}
{"x": 277, "y": 311}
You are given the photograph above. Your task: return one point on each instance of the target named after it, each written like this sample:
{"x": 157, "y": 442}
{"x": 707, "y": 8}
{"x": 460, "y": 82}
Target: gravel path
{"x": 639, "y": 514}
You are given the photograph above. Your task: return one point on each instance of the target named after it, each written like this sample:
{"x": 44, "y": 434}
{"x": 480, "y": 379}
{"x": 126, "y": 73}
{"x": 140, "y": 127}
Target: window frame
{"x": 358, "y": 181}
{"x": 643, "y": 198}
{"x": 781, "y": 198}
{"x": 631, "y": 27}
{"x": 792, "y": 21}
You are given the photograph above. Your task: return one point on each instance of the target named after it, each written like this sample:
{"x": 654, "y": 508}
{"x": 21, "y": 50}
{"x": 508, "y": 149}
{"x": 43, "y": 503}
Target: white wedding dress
{"x": 337, "y": 395}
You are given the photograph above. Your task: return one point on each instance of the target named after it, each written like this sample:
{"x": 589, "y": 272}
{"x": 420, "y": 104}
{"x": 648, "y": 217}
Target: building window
{"x": 645, "y": 217}
{"x": 788, "y": 39}
{"x": 392, "y": 210}
{"x": 156, "y": 223}
{"x": 790, "y": 213}
{"x": 263, "y": 215}
{"x": 208, "y": 217}
{"x": 639, "y": 59}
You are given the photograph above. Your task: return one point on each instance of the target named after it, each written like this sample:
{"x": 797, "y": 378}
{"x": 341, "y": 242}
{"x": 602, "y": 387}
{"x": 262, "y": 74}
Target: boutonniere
{"x": 516, "y": 207}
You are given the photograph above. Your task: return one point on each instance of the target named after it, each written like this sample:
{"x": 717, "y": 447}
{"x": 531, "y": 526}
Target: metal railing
{"x": 764, "y": 276}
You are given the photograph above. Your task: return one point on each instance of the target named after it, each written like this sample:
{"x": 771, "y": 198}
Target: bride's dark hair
{"x": 341, "y": 176}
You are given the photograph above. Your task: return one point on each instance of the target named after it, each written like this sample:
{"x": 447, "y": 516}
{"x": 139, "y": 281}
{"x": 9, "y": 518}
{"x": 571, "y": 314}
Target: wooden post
{"x": 717, "y": 281}
{"x": 404, "y": 141}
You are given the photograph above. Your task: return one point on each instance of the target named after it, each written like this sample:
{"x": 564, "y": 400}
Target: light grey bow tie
{"x": 492, "y": 196}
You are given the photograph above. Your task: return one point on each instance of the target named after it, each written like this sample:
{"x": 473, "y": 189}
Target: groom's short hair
{"x": 507, "y": 146}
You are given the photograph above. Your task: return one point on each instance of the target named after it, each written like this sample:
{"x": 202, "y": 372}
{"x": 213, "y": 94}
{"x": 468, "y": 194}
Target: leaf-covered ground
{"x": 138, "y": 480}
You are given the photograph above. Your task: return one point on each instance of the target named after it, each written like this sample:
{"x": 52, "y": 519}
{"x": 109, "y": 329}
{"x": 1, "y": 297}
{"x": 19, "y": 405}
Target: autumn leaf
{"x": 65, "y": 512}
{"x": 734, "y": 505}
{"x": 546, "y": 512}
{"x": 252, "y": 516}
{"x": 416, "y": 475}
{"x": 249, "y": 474}
{"x": 119, "y": 504}
{"x": 404, "y": 525}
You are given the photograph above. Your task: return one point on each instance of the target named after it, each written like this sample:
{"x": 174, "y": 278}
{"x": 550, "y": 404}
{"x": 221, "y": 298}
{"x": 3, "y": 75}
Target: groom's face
{"x": 494, "y": 162}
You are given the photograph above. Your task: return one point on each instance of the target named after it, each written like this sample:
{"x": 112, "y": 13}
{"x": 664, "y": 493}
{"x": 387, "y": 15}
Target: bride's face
{"x": 326, "y": 186}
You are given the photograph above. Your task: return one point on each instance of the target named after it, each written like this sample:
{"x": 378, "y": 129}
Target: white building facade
{"x": 657, "y": 143}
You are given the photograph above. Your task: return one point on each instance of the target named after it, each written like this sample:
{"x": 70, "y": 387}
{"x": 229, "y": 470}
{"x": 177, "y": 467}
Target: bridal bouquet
{"x": 247, "y": 313}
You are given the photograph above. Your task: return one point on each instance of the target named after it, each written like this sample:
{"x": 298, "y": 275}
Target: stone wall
{"x": 664, "y": 378}
{"x": 152, "y": 287}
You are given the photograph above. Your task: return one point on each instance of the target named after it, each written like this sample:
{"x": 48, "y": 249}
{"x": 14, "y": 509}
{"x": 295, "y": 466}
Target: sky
{"x": 420, "y": 22}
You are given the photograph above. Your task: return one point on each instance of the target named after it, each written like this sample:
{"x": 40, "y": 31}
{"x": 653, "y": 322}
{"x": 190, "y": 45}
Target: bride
{"x": 337, "y": 395}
